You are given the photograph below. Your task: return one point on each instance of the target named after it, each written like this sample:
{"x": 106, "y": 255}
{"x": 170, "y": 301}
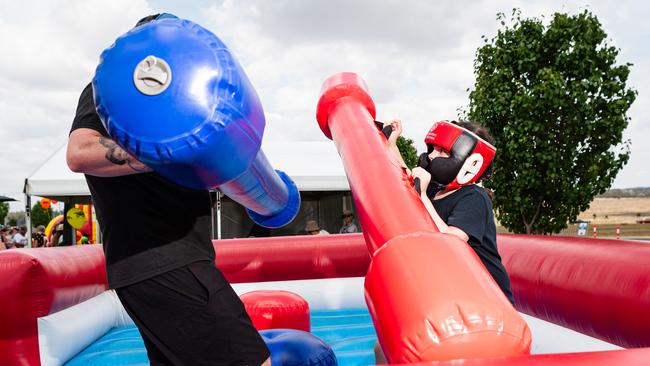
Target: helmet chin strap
{"x": 434, "y": 186}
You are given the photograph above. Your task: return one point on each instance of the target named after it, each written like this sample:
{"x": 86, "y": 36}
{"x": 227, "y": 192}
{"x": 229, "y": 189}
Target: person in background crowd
{"x": 19, "y": 238}
{"x": 9, "y": 237}
{"x": 312, "y": 228}
{"x": 39, "y": 239}
{"x": 3, "y": 234}
{"x": 348, "y": 223}
{"x": 57, "y": 236}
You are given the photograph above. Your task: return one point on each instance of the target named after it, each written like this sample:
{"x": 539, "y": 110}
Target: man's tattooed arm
{"x": 118, "y": 156}
{"x": 114, "y": 153}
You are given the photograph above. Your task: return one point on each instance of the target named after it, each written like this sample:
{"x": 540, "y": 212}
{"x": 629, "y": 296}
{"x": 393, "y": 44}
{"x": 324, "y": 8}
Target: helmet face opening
{"x": 469, "y": 155}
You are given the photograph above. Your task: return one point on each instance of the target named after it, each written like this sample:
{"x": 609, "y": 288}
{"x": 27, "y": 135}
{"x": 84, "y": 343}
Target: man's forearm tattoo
{"x": 137, "y": 166}
{"x": 112, "y": 153}
{"x": 118, "y": 156}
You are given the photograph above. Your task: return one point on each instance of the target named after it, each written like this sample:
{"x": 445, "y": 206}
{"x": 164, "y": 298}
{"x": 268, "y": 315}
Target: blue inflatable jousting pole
{"x": 171, "y": 94}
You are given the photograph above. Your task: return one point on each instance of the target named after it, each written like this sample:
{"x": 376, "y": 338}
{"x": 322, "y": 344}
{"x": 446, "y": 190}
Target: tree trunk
{"x": 529, "y": 225}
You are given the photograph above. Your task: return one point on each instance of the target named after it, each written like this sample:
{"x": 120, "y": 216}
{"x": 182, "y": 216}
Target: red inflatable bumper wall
{"x": 597, "y": 287}
{"x": 38, "y": 282}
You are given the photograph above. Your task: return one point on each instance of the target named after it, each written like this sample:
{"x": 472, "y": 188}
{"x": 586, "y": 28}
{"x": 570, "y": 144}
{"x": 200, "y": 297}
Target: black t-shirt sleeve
{"x": 469, "y": 215}
{"x": 86, "y": 116}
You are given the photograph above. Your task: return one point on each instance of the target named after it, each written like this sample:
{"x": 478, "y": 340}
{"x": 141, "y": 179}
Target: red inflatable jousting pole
{"x": 429, "y": 295}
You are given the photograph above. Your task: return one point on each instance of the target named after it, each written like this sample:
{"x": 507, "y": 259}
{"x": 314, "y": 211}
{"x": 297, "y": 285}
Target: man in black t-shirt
{"x": 159, "y": 254}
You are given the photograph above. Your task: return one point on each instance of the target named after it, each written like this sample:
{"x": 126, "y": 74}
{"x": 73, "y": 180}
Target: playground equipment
{"x": 85, "y": 226}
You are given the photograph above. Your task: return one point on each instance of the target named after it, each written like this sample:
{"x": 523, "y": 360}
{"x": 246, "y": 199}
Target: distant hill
{"x": 627, "y": 192}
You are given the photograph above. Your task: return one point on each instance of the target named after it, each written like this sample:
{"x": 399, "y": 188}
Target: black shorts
{"x": 192, "y": 316}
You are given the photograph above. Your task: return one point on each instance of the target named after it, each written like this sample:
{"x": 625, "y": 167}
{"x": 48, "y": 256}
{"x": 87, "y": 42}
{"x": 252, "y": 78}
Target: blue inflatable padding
{"x": 120, "y": 346}
{"x": 205, "y": 128}
{"x": 291, "y": 347}
{"x": 286, "y": 214}
{"x": 349, "y": 333}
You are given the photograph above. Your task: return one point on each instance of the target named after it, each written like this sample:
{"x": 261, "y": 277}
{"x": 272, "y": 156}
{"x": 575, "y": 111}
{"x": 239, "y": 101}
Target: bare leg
{"x": 267, "y": 362}
{"x": 380, "y": 358}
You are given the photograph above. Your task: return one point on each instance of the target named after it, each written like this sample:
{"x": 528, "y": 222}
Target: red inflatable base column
{"x": 425, "y": 307}
{"x": 277, "y": 309}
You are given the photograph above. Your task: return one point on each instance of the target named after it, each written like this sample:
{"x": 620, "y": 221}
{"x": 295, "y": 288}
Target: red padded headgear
{"x": 469, "y": 155}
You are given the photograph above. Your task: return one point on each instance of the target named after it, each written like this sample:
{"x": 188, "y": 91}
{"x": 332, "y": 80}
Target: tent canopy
{"x": 313, "y": 165}
{"x": 6, "y": 199}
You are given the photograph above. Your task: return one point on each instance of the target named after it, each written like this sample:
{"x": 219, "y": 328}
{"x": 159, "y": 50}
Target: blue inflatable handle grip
{"x": 171, "y": 94}
{"x": 271, "y": 198}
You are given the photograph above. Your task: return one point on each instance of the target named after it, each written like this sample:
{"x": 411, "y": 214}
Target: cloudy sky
{"x": 415, "y": 55}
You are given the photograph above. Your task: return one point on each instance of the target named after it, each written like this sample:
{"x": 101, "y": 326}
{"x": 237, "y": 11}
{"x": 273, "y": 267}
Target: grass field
{"x": 607, "y": 213}
{"x": 609, "y": 230}
{"x": 628, "y": 231}
{"x": 624, "y": 210}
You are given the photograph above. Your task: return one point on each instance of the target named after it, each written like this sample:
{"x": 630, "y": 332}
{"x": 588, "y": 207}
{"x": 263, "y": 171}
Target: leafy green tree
{"x": 555, "y": 101}
{"x": 40, "y": 216}
{"x": 408, "y": 151}
{"x": 4, "y": 210}
{"x": 13, "y": 217}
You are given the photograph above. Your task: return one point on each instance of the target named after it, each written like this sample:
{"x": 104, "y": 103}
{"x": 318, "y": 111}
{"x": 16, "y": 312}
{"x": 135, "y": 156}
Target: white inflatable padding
{"x": 321, "y": 294}
{"x": 64, "y": 334}
{"x": 552, "y": 338}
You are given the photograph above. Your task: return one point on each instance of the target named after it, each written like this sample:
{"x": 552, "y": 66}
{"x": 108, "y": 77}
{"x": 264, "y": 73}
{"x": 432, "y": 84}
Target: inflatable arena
{"x": 585, "y": 300}
{"x": 171, "y": 94}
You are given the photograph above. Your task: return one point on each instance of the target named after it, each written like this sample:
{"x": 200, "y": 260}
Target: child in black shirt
{"x": 459, "y": 155}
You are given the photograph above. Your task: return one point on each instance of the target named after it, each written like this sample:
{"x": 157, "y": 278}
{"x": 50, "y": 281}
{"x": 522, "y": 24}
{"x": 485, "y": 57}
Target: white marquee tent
{"x": 314, "y": 166}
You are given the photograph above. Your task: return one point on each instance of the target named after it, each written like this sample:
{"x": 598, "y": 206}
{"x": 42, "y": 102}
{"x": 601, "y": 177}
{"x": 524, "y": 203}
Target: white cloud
{"x": 415, "y": 56}
{"x": 50, "y": 50}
